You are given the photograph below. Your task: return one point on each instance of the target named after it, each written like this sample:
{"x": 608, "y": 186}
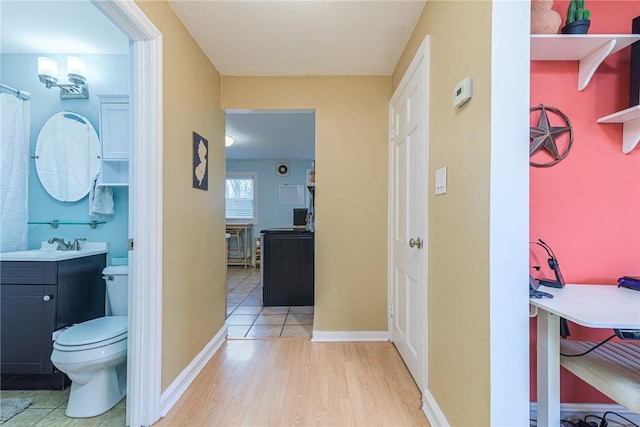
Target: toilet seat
{"x": 93, "y": 334}
{"x": 122, "y": 270}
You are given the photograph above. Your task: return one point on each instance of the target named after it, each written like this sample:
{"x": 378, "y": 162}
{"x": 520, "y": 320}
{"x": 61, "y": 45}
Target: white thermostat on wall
{"x": 462, "y": 92}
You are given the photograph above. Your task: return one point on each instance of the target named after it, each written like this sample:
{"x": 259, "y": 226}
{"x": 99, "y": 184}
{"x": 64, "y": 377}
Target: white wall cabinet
{"x": 114, "y": 135}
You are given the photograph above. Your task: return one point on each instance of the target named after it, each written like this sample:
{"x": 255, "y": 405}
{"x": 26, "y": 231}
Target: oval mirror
{"x": 67, "y": 156}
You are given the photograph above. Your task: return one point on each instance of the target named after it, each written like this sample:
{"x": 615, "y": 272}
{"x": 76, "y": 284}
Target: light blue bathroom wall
{"x": 270, "y": 212}
{"x": 106, "y": 75}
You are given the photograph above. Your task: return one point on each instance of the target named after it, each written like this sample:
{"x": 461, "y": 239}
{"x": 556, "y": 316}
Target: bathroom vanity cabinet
{"x": 40, "y": 297}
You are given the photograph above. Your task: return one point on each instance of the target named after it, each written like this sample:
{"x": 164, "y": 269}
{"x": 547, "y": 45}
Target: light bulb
{"x": 76, "y": 70}
{"x": 47, "y": 70}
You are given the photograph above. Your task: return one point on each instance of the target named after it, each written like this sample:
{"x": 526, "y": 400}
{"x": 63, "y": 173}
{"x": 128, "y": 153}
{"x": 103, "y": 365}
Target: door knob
{"x": 47, "y": 297}
{"x": 417, "y": 242}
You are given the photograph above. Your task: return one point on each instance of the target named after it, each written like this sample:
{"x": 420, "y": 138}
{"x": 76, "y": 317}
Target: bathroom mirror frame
{"x": 67, "y": 156}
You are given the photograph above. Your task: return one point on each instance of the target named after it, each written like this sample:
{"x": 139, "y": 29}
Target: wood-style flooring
{"x": 294, "y": 382}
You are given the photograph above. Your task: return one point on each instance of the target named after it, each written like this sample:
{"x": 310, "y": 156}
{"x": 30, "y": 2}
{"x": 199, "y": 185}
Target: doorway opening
{"x": 270, "y": 200}
{"x": 144, "y": 350}
{"x": 143, "y": 44}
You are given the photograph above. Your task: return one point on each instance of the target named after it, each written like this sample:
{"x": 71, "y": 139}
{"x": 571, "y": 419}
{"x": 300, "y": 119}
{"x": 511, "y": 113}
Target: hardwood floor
{"x": 294, "y": 382}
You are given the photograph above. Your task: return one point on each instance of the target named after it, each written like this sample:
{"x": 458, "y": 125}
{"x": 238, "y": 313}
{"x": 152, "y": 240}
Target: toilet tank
{"x": 117, "y": 279}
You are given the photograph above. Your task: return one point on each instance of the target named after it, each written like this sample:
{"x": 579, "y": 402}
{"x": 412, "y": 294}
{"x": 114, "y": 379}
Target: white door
{"x": 408, "y": 171}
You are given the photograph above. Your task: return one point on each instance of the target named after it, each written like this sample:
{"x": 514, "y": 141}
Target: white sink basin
{"x": 49, "y": 252}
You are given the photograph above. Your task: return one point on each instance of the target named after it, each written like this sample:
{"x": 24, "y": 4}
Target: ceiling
{"x": 53, "y": 27}
{"x": 271, "y": 134}
{"x": 313, "y": 37}
{"x": 310, "y": 37}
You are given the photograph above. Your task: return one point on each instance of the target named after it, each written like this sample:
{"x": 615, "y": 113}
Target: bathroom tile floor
{"x": 47, "y": 410}
{"x": 248, "y": 319}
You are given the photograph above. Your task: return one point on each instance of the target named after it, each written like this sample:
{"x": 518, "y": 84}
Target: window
{"x": 241, "y": 197}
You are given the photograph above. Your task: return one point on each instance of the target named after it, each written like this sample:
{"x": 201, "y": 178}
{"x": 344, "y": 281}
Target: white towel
{"x": 100, "y": 198}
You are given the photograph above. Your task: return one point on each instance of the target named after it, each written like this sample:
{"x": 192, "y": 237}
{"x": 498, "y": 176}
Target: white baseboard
{"x": 432, "y": 410}
{"x": 325, "y": 336}
{"x": 569, "y": 411}
{"x": 186, "y": 377}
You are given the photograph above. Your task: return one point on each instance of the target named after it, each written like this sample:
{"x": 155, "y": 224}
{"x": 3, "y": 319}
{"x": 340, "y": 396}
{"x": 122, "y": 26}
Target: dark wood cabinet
{"x": 38, "y": 298}
{"x": 287, "y": 268}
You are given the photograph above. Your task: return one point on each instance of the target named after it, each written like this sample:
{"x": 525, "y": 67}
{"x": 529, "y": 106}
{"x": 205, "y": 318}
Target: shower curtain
{"x": 14, "y": 167}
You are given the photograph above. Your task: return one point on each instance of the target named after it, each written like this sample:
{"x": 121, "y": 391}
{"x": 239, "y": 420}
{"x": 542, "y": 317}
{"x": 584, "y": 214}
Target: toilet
{"x": 94, "y": 353}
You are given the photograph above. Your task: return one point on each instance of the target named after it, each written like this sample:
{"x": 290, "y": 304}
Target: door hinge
{"x": 391, "y": 310}
{"x": 130, "y": 244}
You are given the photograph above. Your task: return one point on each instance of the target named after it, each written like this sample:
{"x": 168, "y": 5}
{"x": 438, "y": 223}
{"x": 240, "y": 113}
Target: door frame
{"x": 422, "y": 55}
{"x": 144, "y": 353}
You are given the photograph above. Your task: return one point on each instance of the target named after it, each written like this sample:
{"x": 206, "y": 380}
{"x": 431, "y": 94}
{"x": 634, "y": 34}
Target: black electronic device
{"x": 558, "y": 283}
{"x": 533, "y": 289}
{"x": 634, "y": 75}
{"x": 300, "y": 216}
{"x": 554, "y": 265}
{"x": 628, "y": 334}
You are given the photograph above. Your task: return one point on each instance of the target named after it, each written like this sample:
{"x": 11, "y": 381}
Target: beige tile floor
{"x": 248, "y": 319}
{"x": 47, "y": 410}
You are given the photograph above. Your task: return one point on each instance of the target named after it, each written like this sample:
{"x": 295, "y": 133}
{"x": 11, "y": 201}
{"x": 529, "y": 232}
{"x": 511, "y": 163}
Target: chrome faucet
{"x": 75, "y": 245}
{"x": 62, "y": 245}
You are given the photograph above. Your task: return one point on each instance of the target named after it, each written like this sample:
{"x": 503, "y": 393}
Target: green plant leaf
{"x": 571, "y": 12}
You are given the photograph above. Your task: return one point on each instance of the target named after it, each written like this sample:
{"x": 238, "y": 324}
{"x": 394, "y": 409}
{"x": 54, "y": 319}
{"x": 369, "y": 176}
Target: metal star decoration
{"x": 543, "y": 136}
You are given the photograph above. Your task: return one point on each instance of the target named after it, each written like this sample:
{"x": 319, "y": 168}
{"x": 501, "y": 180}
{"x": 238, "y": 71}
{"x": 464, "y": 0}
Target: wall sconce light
{"x": 76, "y": 73}
{"x": 228, "y": 140}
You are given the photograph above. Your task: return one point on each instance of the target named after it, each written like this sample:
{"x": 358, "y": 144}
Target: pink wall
{"x": 587, "y": 207}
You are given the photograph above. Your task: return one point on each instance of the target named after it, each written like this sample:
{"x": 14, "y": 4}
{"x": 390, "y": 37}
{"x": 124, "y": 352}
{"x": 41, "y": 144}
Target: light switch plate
{"x": 441, "y": 180}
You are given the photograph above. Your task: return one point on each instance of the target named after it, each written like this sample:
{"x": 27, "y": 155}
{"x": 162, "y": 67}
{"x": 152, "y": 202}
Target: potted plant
{"x": 577, "y": 18}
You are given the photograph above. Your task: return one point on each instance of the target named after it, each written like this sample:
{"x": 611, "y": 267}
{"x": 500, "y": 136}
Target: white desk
{"x": 594, "y": 306}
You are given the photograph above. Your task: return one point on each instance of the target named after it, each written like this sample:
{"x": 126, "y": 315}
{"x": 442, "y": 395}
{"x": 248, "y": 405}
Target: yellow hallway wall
{"x": 351, "y": 181}
{"x": 458, "y": 368}
{"x": 193, "y": 308}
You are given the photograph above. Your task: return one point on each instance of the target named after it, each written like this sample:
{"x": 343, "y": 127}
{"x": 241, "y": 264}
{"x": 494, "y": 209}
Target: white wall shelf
{"x": 630, "y": 119}
{"x": 115, "y": 139}
{"x": 589, "y": 49}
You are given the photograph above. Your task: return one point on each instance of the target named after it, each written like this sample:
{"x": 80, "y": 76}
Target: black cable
{"x": 604, "y": 423}
{"x": 601, "y": 424}
{"x": 590, "y": 350}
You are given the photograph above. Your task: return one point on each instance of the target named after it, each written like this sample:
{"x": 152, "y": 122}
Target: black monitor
{"x": 300, "y": 216}
{"x": 634, "y": 75}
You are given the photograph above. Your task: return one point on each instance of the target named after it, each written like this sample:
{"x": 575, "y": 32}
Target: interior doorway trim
{"x": 144, "y": 357}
